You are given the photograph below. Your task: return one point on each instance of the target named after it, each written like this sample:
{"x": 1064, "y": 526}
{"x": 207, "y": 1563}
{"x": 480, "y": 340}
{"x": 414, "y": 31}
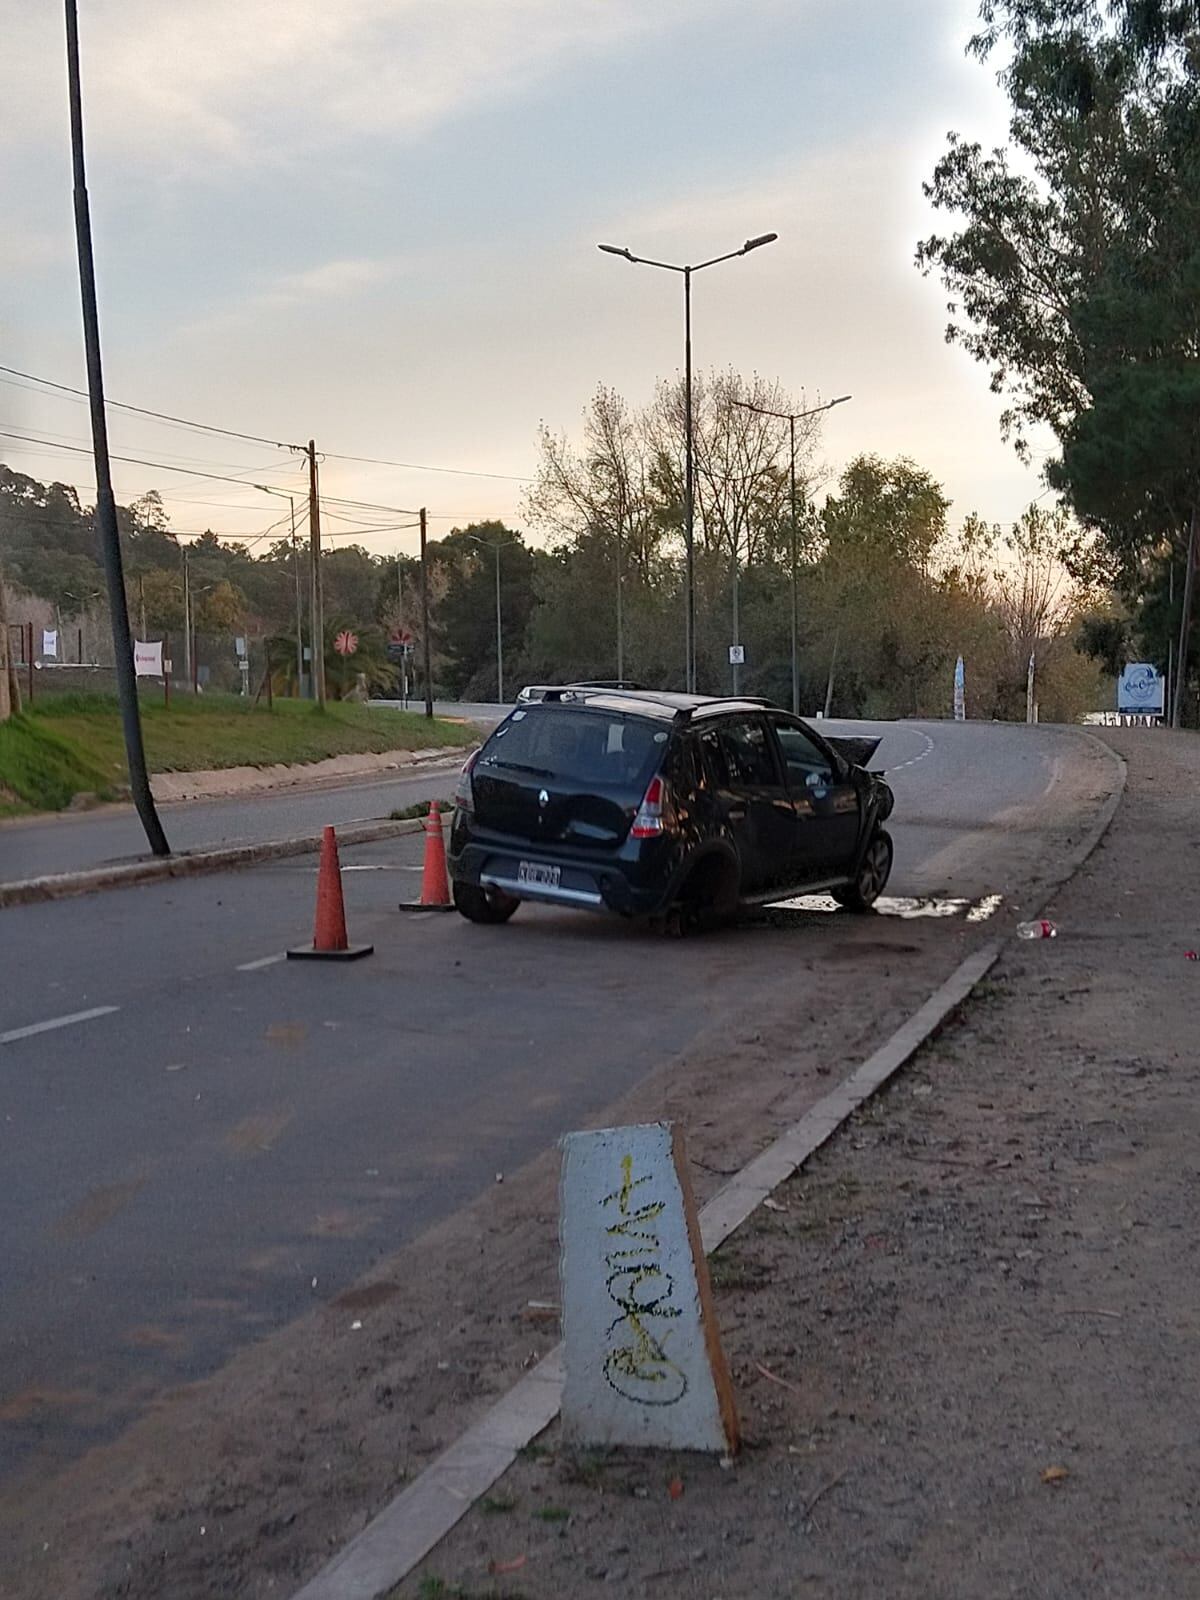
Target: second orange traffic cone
{"x": 435, "y": 884}
{"x": 330, "y": 942}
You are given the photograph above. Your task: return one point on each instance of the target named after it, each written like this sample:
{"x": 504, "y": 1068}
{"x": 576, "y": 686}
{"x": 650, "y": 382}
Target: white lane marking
{"x": 55, "y": 1022}
{"x": 263, "y": 961}
{"x": 928, "y": 747}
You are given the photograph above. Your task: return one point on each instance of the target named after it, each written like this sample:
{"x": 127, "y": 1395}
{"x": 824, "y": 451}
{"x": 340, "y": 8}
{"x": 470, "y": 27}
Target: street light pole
{"x": 791, "y": 418}
{"x": 497, "y": 545}
{"x": 499, "y": 637}
{"x": 689, "y": 491}
{"x": 792, "y": 561}
{"x": 187, "y": 621}
{"x": 299, "y": 606}
{"x": 689, "y": 498}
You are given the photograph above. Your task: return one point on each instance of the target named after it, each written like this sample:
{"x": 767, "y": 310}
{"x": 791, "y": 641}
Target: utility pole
{"x": 106, "y": 506}
{"x": 425, "y": 645}
{"x": 299, "y": 606}
{"x": 317, "y": 608}
{"x": 142, "y": 604}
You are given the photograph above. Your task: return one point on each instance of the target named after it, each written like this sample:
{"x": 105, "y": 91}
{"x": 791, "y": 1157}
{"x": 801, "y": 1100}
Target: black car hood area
{"x": 857, "y": 751}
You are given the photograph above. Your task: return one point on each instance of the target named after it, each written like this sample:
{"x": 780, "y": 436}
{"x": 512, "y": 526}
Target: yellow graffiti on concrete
{"x": 639, "y": 1368}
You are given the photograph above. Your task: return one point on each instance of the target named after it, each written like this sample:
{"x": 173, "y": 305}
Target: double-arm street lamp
{"x": 792, "y": 418}
{"x": 689, "y": 452}
{"x": 497, "y": 545}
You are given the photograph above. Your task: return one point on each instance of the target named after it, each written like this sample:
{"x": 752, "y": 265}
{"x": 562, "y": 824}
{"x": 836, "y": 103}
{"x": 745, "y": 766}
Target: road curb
{"x": 415, "y": 1522}
{"x": 125, "y": 875}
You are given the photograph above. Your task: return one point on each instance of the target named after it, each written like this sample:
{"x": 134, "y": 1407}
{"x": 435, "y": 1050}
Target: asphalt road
{"x": 224, "y": 1135}
{"x": 75, "y": 841}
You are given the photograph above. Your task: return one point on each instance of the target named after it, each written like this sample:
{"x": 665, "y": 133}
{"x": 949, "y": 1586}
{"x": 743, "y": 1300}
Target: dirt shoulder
{"x": 247, "y": 1482}
{"x": 964, "y": 1349}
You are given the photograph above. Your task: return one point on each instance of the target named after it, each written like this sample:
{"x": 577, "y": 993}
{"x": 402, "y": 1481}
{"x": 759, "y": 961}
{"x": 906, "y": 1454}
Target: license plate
{"x": 535, "y": 874}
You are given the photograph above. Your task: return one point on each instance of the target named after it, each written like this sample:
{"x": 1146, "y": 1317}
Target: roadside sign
{"x": 239, "y": 647}
{"x": 147, "y": 659}
{"x": 737, "y": 655}
{"x": 641, "y": 1349}
{"x": 960, "y": 691}
{"x": 1140, "y": 690}
{"x": 346, "y": 643}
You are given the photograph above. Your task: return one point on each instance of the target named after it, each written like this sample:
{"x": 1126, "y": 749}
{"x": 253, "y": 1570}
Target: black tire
{"x": 874, "y": 870}
{"x": 709, "y": 899}
{"x": 484, "y": 905}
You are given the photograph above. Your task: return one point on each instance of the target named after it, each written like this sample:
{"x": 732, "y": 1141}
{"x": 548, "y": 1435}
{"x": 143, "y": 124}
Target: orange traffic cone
{"x": 329, "y": 928}
{"x": 435, "y": 885}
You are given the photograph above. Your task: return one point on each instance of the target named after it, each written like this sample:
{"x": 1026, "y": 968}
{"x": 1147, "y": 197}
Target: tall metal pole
{"x": 425, "y": 642}
{"x": 299, "y": 604}
{"x": 837, "y": 639}
{"x": 187, "y": 621}
{"x": 106, "y": 506}
{"x": 499, "y": 634}
{"x": 317, "y": 605}
{"x": 735, "y": 670}
{"x": 620, "y": 609}
{"x": 689, "y": 503}
{"x": 795, "y": 592}
{"x": 1185, "y": 628}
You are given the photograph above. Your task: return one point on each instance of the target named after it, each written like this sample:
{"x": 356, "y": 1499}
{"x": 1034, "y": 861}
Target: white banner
{"x": 50, "y": 642}
{"x": 960, "y": 691}
{"x": 147, "y": 659}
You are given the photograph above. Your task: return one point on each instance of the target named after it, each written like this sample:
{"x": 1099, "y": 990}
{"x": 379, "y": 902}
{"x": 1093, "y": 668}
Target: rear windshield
{"x": 591, "y": 747}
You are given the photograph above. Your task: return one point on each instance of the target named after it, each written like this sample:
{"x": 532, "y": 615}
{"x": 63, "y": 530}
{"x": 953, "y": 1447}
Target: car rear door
{"x": 747, "y": 780}
{"x": 825, "y": 802}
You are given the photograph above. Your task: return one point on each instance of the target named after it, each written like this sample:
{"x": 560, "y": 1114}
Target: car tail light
{"x": 652, "y": 814}
{"x": 464, "y": 795}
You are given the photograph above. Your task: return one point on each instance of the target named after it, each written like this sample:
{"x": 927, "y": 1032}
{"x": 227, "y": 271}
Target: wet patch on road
{"x": 97, "y": 1208}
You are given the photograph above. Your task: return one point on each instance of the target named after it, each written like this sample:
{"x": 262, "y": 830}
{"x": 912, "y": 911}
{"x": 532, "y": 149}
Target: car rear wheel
{"x": 874, "y": 870}
{"x": 709, "y": 899}
{"x": 484, "y": 905}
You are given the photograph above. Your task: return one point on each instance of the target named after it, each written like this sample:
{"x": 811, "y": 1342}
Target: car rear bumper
{"x": 586, "y": 885}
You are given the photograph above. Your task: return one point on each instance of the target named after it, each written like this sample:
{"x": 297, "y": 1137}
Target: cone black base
{"x": 415, "y": 905}
{"x": 306, "y": 952}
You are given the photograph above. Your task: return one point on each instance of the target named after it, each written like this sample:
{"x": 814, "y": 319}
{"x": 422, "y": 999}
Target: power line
{"x": 255, "y": 438}
{"x": 160, "y": 416}
{"x": 160, "y": 466}
{"x": 417, "y": 466}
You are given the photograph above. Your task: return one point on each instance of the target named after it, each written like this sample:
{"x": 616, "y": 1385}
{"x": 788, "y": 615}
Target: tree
{"x": 467, "y": 615}
{"x": 1076, "y": 280}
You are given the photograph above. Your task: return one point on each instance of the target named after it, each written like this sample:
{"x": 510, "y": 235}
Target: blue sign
{"x": 1140, "y": 691}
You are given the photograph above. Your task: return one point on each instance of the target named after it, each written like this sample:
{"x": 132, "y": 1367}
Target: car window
{"x": 604, "y": 748}
{"x": 801, "y": 756}
{"x": 748, "y": 754}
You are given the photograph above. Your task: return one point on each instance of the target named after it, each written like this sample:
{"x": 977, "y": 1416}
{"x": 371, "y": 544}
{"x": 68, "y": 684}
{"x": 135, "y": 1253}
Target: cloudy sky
{"x": 374, "y": 222}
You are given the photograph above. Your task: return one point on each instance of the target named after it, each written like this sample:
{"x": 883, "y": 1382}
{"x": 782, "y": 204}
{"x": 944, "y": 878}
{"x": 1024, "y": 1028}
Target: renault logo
{"x": 543, "y": 798}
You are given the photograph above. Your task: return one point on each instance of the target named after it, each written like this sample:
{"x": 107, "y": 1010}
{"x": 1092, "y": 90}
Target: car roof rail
{"x": 720, "y": 703}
